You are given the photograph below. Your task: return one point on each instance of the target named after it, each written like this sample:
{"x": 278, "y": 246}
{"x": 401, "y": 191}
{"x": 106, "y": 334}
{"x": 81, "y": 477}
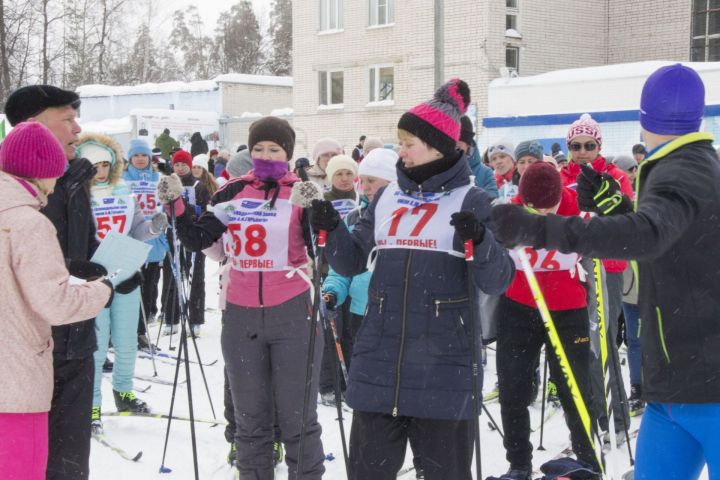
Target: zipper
{"x": 662, "y": 334}
{"x": 381, "y": 305}
{"x": 402, "y": 334}
{"x": 260, "y": 284}
{"x": 450, "y": 301}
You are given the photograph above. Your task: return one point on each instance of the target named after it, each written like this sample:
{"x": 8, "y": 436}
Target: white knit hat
{"x": 201, "y": 160}
{"x": 502, "y": 146}
{"x": 340, "y": 162}
{"x": 380, "y": 163}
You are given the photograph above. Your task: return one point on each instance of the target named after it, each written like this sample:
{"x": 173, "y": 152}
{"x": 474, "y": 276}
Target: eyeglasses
{"x": 589, "y": 146}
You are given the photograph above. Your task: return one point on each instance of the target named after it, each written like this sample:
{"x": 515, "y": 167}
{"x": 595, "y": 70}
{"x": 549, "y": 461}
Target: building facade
{"x": 357, "y": 65}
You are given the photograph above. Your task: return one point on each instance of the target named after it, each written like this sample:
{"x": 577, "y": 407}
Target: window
{"x": 511, "y": 15}
{"x": 705, "y": 31}
{"x": 331, "y": 87}
{"x": 382, "y": 81}
{"x": 382, "y": 12}
{"x": 331, "y": 15}
{"x": 512, "y": 59}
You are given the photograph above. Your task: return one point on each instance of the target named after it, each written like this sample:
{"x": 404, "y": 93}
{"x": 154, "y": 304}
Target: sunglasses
{"x": 498, "y": 149}
{"x": 589, "y": 146}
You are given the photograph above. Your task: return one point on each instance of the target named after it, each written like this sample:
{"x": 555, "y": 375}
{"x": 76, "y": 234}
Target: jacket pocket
{"x": 447, "y": 333}
{"x": 371, "y": 328}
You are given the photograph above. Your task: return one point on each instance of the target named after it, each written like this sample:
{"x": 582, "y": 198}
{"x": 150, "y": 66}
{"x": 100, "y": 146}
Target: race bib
{"x": 146, "y": 196}
{"x": 547, "y": 260}
{"x": 417, "y": 221}
{"x": 256, "y": 238}
{"x": 189, "y": 195}
{"x": 344, "y": 206}
{"x": 113, "y": 213}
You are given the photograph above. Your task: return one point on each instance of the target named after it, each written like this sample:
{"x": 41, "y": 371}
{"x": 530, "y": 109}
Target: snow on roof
{"x": 282, "y": 112}
{"x": 111, "y": 126}
{"x": 255, "y": 79}
{"x": 170, "y": 87}
{"x": 177, "y": 114}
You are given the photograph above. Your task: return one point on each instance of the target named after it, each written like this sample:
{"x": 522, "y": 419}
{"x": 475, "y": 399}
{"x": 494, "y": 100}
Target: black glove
{"x": 86, "y": 270}
{"x": 77, "y": 176}
{"x": 330, "y": 301}
{"x": 516, "y": 226}
{"x": 112, "y": 292}
{"x": 323, "y": 216}
{"x": 467, "y": 226}
{"x": 129, "y": 285}
{"x": 601, "y": 193}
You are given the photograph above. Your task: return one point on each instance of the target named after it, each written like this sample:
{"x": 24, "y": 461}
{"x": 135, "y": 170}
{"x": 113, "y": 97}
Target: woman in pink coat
{"x": 36, "y": 293}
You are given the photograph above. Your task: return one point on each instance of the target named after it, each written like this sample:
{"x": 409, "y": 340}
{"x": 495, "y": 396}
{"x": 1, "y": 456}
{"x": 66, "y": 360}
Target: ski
{"x": 491, "y": 396}
{"x": 167, "y": 358}
{"x": 163, "y": 416}
{"x": 345, "y": 408}
{"x": 161, "y": 381}
{"x": 405, "y": 471}
{"x": 132, "y": 458}
{"x": 550, "y": 412}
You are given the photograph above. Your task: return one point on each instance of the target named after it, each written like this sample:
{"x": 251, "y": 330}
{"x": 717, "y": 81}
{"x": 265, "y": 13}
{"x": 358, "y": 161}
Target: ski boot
{"x": 96, "y": 426}
{"x": 170, "y": 329}
{"x": 637, "y": 406}
{"x": 232, "y": 454}
{"x": 128, "y": 402}
{"x": 194, "y": 331}
{"x": 107, "y": 366}
{"x": 328, "y": 399}
{"x": 146, "y": 345}
{"x": 552, "y": 394}
{"x": 278, "y": 453}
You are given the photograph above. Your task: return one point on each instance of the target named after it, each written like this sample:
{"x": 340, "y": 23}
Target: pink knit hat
{"x": 585, "y": 126}
{"x": 31, "y": 151}
{"x": 326, "y": 145}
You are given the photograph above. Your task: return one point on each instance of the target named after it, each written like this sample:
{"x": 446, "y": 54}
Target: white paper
{"x": 121, "y": 255}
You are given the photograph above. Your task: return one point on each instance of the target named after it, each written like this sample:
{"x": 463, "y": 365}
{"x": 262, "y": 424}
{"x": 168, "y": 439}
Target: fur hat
{"x": 272, "y": 129}
{"x": 182, "y": 156}
{"x": 31, "y": 151}
{"x": 437, "y": 121}
{"x": 380, "y": 163}
{"x": 98, "y": 148}
{"x": 672, "y": 101}
{"x": 540, "y": 186}
{"x": 26, "y": 102}
{"x": 341, "y": 162}
{"x": 585, "y": 126}
{"x": 326, "y": 145}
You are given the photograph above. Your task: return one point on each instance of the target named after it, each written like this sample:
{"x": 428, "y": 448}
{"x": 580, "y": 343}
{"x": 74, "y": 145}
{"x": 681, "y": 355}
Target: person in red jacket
{"x": 521, "y": 332}
{"x": 584, "y": 142}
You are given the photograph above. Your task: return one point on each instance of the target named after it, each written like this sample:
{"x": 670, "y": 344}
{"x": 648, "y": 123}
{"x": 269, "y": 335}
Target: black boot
{"x": 637, "y": 406}
{"x": 128, "y": 402}
{"x": 107, "y": 366}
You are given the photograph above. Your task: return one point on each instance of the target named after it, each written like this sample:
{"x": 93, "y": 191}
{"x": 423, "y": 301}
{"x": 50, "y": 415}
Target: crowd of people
{"x": 424, "y": 239}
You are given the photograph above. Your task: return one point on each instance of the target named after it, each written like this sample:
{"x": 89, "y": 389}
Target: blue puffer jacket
{"x": 411, "y": 354}
{"x": 356, "y": 287}
{"x": 484, "y": 176}
{"x": 160, "y": 244}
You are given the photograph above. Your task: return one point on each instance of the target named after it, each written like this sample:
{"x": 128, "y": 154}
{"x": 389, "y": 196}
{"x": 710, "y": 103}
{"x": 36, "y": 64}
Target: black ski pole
{"x": 472, "y": 299}
{"x": 311, "y": 349}
{"x": 544, "y": 401}
{"x": 493, "y": 423}
{"x": 623, "y": 408}
{"x": 152, "y": 348}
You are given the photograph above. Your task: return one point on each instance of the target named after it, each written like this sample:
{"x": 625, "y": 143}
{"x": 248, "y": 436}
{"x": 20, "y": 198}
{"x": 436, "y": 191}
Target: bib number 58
{"x": 254, "y": 242}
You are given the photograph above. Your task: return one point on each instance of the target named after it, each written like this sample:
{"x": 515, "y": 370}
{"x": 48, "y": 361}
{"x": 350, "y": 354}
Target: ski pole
{"x": 472, "y": 299}
{"x": 544, "y": 401}
{"x": 310, "y": 363}
{"x": 557, "y": 345}
{"x": 145, "y": 322}
{"x": 330, "y": 321}
{"x": 493, "y": 423}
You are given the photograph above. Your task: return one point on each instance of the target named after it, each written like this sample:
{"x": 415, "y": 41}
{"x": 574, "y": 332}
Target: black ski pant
{"x": 69, "y": 419}
{"x": 520, "y": 336}
{"x": 265, "y": 352}
{"x": 378, "y": 442}
{"x": 149, "y": 293}
{"x": 196, "y": 301}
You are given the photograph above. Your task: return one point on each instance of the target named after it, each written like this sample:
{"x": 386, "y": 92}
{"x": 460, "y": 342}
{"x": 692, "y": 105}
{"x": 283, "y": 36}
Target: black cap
{"x": 639, "y": 148}
{"x": 29, "y": 101}
{"x": 466, "y": 130}
{"x": 362, "y": 137}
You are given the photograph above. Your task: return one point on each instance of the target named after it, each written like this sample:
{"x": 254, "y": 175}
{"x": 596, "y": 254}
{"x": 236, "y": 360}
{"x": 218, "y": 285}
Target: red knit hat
{"x": 182, "y": 156}
{"x": 584, "y": 126}
{"x": 31, "y": 151}
{"x": 540, "y": 186}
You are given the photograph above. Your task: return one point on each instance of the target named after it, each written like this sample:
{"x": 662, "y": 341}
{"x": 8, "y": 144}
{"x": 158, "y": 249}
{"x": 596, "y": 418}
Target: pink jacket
{"x": 34, "y": 294}
{"x": 244, "y": 288}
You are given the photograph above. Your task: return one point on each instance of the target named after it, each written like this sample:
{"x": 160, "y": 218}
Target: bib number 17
{"x": 427, "y": 210}
{"x": 254, "y": 243}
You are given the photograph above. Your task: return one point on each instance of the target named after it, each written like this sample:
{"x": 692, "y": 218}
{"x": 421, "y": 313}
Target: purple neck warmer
{"x": 269, "y": 169}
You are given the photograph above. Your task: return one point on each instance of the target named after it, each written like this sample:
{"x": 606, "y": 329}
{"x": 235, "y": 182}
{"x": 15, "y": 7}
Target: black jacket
{"x": 411, "y": 354}
{"x": 675, "y": 237}
{"x": 69, "y": 211}
{"x": 197, "y": 145}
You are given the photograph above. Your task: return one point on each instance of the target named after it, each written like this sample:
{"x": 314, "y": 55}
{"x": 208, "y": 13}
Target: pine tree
{"x": 188, "y": 37}
{"x": 280, "y": 32}
{"x": 238, "y": 41}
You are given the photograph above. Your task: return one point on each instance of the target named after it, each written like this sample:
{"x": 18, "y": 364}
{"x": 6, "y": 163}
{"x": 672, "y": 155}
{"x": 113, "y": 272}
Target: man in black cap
{"x": 357, "y": 153}
{"x": 69, "y": 210}
{"x": 639, "y": 152}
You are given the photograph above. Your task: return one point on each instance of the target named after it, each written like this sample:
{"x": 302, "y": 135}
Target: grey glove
{"x": 159, "y": 223}
{"x": 169, "y": 188}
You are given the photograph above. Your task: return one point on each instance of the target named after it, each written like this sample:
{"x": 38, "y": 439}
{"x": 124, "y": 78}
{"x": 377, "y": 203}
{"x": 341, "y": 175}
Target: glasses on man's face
{"x": 588, "y": 146}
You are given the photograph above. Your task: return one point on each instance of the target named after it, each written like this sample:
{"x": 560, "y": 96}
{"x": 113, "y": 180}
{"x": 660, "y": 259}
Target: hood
{"x": 13, "y": 194}
{"x": 119, "y": 166}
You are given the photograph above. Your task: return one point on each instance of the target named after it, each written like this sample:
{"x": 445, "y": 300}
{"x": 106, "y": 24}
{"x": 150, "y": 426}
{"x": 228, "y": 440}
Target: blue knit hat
{"x": 139, "y": 146}
{"x": 529, "y": 147}
{"x": 673, "y": 101}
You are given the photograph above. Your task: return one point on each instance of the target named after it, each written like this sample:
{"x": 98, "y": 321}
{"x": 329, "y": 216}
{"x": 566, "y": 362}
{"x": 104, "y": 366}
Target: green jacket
{"x": 166, "y": 143}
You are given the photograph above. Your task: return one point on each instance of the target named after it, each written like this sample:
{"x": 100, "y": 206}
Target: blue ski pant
{"x": 634, "y": 349}
{"x": 119, "y": 322}
{"x": 676, "y": 440}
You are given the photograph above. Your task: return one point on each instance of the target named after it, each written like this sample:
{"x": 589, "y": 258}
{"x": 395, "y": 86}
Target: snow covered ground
{"x": 147, "y": 435}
